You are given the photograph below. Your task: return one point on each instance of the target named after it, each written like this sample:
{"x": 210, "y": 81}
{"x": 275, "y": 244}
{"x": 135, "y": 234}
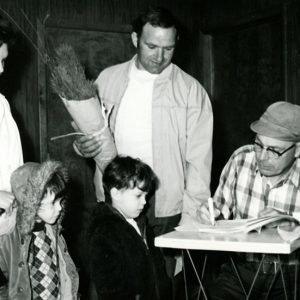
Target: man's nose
{"x": 264, "y": 155}
{"x": 1, "y": 68}
{"x": 159, "y": 55}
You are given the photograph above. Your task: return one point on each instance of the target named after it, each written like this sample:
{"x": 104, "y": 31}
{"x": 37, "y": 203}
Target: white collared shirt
{"x": 133, "y": 223}
{"x": 11, "y": 156}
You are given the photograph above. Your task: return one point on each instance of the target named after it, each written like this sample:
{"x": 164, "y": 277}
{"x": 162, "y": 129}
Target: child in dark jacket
{"x": 33, "y": 255}
{"x": 124, "y": 263}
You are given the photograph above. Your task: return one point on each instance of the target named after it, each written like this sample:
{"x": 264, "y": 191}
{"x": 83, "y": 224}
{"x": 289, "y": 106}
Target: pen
{"x": 211, "y": 210}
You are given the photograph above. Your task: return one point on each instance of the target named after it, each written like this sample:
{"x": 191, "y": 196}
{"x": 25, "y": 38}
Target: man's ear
{"x": 115, "y": 194}
{"x": 134, "y": 39}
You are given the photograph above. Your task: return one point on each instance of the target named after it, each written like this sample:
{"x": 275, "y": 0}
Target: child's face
{"x": 50, "y": 208}
{"x": 130, "y": 202}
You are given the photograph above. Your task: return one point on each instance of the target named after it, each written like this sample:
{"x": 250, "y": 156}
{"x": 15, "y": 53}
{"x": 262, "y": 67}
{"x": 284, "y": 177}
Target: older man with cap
{"x": 258, "y": 180}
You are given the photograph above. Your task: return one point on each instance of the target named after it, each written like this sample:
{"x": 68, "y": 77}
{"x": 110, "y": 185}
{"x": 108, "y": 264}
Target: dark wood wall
{"x": 21, "y": 86}
{"x": 252, "y": 61}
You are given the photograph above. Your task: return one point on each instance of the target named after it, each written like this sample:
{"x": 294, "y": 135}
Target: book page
{"x": 235, "y": 226}
{"x": 221, "y": 226}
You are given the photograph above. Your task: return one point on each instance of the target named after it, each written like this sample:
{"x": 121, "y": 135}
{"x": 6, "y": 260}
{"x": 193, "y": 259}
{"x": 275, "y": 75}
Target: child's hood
{"x": 28, "y": 185}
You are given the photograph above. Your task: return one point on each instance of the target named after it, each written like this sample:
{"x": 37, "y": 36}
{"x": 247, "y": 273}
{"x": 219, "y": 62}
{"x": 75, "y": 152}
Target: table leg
{"x": 282, "y": 277}
{"x": 197, "y": 275}
{"x": 296, "y": 283}
{"x": 255, "y": 276}
{"x": 247, "y": 294}
{"x": 238, "y": 276}
{"x": 202, "y": 275}
{"x": 184, "y": 276}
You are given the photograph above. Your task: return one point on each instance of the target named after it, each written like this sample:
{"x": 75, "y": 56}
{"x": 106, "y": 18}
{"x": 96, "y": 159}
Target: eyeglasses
{"x": 2, "y": 211}
{"x": 271, "y": 152}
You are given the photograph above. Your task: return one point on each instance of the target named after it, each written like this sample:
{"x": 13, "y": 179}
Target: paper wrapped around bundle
{"x": 91, "y": 118}
{"x": 88, "y": 114}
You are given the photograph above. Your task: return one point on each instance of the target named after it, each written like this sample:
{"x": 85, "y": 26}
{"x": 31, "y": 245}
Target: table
{"x": 266, "y": 242}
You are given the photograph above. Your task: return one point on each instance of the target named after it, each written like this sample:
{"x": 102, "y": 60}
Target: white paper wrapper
{"x": 88, "y": 114}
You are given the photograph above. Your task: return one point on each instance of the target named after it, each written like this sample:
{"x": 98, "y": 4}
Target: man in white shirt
{"x": 161, "y": 115}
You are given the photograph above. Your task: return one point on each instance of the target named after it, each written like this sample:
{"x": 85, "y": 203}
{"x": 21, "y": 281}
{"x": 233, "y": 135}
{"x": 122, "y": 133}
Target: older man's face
{"x": 155, "y": 48}
{"x": 270, "y": 166}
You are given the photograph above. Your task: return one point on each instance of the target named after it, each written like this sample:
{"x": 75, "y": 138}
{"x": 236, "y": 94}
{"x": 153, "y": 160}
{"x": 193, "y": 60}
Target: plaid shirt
{"x": 242, "y": 192}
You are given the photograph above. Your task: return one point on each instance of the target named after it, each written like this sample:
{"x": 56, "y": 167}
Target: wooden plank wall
{"x": 20, "y": 81}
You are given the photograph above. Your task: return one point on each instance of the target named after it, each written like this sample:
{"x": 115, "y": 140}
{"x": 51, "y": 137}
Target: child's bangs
{"x": 144, "y": 181}
{"x": 58, "y": 185}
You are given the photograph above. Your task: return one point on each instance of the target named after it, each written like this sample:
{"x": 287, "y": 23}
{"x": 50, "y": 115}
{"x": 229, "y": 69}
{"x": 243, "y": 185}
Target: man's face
{"x": 155, "y": 48}
{"x": 3, "y": 56}
{"x": 269, "y": 166}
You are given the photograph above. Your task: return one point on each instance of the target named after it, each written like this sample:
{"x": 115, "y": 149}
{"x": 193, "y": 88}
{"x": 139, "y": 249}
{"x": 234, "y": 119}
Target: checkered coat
{"x": 28, "y": 184}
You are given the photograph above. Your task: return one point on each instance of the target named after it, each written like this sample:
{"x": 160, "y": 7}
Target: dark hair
{"x": 57, "y": 184}
{"x": 157, "y": 17}
{"x": 7, "y": 34}
{"x": 127, "y": 172}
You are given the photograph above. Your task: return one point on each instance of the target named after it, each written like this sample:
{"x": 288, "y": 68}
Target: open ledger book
{"x": 235, "y": 226}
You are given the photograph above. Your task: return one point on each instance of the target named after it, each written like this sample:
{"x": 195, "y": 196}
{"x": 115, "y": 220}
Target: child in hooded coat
{"x": 39, "y": 190}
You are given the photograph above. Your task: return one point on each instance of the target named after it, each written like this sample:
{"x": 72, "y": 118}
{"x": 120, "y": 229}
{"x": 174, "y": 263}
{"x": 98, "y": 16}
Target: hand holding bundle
{"x": 80, "y": 98}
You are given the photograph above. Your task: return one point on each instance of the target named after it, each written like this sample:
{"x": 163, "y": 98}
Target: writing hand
{"x": 203, "y": 213}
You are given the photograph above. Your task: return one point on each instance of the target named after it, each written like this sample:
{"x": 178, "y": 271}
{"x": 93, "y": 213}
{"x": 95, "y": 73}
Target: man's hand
{"x": 269, "y": 211}
{"x": 204, "y": 215}
{"x": 6, "y": 201}
{"x": 89, "y": 145}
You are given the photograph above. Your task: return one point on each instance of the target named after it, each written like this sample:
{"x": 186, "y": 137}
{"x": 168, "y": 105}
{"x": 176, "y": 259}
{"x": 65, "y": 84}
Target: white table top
{"x": 268, "y": 241}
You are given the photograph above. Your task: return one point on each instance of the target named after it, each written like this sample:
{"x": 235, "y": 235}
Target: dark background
{"x": 245, "y": 53}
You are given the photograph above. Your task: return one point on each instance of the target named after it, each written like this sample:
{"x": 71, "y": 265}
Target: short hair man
{"x": 162, "y": 116}
{"x": 258, "y": 180}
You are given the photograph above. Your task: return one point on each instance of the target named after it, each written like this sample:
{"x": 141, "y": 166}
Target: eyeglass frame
{"x": 269, "y": 150}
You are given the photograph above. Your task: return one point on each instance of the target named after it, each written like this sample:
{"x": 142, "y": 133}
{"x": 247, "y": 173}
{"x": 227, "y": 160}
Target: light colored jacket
{"x": 182, "y": 126}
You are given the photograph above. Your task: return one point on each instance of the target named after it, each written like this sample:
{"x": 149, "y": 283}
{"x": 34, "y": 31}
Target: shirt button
{"x": 20, "y": 289}
{"x": 21, "y": 264}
